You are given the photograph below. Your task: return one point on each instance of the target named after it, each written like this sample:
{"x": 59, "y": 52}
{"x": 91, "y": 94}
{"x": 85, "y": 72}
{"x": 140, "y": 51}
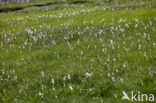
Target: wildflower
{"x": 88, "y": 74}
{"x": 42, "y": 74}
{"x": 52, "y": 81}
{"x": 113, "y": 79}
{"x": 69, "y": 77}
{"x": 71, "y": 88}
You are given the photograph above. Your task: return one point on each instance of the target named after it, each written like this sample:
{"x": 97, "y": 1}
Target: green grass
{"x": 87, "y": 54}
{"x": 62, "y": 4}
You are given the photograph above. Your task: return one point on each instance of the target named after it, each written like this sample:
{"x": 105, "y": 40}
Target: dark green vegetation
{"x": 77, "y": 51}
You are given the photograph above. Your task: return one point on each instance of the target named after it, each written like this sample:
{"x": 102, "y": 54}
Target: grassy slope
{"x": 63, "y": 4}
{"x": 96, "y": 51}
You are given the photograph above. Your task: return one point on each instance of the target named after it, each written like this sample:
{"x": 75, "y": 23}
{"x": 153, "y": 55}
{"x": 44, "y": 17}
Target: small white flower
{"x": 40, "y": 94}
{"x": 42, "y": 74}
{"x": 88, "y": 74}
{"x": 122, "y": 30}
{"x": 111, "y": 41}
{"x": 139, "y": 46}
{"x": 71, "y": 88}
{"x": 136, "y": 20}
{"x": 53, "y": 88}
{"x": 136, "y": 25}
{"x": 108, "y": 74}
{"x": 113, "y": 79}
{"x": 69, "y": 76}
{"x": 124, "y": 65}
{"x": 121, "y": 80}
{"x": 52, "y": 81}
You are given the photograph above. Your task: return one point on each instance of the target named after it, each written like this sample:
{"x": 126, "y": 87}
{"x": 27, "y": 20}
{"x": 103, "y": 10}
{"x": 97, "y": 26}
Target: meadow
{"x": 77, "y": 51}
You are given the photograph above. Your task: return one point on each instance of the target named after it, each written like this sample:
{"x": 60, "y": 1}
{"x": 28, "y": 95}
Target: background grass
{"x": 77, "y": 52}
